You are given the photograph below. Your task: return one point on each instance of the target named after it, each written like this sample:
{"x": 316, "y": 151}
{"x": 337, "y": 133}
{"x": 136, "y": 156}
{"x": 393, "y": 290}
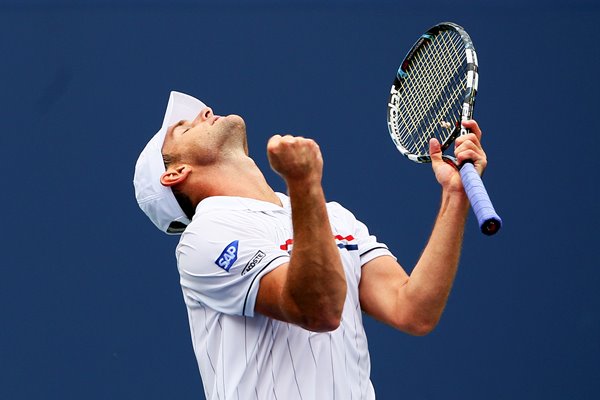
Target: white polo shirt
{"x": 230, "y": 244}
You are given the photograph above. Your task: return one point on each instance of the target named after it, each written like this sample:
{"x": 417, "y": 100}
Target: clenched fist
{"x": 296, "y": 159}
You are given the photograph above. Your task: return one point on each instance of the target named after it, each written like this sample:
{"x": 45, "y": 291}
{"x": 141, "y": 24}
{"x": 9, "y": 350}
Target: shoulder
{"x": 334, "y": 206}
{"x": 209, "y": 234}
{"x": 220, "y": 237}
{"x": 337, "y": 211}
{"x": 219, "y": 222}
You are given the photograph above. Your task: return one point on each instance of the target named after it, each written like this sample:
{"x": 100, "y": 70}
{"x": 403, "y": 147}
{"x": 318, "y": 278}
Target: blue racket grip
{"x": 488, "y": 219}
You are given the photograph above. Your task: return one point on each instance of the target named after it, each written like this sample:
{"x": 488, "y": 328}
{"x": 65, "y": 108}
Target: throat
{"x": 243, "y": 178}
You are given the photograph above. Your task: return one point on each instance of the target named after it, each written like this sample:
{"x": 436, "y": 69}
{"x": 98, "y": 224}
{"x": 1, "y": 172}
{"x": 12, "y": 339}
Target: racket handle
{"x": 488, "y": 220}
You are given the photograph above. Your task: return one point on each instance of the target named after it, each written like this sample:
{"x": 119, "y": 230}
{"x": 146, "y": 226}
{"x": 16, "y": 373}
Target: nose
{"x": 204, "y": 115}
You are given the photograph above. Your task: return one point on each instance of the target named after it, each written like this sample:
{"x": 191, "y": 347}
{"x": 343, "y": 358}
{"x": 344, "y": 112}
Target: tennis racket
{"x": 433, "y": 91}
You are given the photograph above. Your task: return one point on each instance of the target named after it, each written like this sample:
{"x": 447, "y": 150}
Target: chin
{"x": 235, "y": 128}
{"x": 236, "y": 120}
{"x": 236, "y": 124}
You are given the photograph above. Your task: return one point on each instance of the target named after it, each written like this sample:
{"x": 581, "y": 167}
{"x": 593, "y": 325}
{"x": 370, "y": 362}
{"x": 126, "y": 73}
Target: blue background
{"x": 90, "y": 304}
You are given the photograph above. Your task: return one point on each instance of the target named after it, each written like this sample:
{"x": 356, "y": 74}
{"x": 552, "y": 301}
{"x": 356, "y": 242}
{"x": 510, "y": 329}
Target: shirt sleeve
{"x": 369, "y": 247}
{"x": 222, "y": 257}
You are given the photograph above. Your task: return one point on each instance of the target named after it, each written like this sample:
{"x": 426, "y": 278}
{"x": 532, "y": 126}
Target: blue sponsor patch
{"x": 228, "y": 256}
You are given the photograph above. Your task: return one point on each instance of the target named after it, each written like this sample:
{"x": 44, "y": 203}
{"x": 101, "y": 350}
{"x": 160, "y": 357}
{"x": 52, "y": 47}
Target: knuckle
{"x": 274, "y": 139}
{"x": 470, "y": 136}
{"x": 272, "y": 145}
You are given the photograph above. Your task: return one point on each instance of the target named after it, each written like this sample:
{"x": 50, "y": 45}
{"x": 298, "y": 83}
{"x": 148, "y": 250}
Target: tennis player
{"x": 274, "y": 284}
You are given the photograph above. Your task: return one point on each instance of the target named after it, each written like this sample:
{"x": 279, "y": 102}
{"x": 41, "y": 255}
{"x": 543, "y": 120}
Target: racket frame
{"x": 472, "y": 82}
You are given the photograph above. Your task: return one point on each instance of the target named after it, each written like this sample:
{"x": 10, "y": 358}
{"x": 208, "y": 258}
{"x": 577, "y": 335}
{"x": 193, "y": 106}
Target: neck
{"x": 239, "y": 177}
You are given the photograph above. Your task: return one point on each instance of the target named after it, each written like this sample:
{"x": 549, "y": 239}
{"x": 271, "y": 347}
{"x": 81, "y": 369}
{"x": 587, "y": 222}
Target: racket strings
{"x": 431, "y": 101}
{"x": 437, "y": 75}
{"x": 433, "y": 83}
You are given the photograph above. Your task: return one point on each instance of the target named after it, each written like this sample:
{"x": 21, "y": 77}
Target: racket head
{"x": 433, "y": 91}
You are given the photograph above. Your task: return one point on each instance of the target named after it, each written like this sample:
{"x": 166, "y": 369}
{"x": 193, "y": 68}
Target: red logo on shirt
{"x": 341, "y": 242}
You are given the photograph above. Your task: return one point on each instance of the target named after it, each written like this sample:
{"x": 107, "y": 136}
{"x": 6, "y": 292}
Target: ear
{"x": 175, "y": 175}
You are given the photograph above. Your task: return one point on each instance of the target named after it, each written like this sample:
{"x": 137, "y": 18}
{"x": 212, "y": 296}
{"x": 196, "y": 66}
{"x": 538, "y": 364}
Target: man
{"x": 275, "y": 286}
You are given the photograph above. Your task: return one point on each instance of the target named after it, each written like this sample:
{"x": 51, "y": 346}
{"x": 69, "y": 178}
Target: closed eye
{"x": 181, "y": 124}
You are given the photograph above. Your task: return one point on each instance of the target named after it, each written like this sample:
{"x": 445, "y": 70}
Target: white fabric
{"x": 245, "y": 355}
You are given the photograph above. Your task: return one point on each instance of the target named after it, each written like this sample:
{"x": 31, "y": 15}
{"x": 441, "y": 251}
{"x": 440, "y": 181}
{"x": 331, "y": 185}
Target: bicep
{"x": 270, "y": 300}
{"x": 381, "y": 291}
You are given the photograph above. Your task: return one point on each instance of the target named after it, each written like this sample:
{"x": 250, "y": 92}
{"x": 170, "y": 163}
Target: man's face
{"x": 202, "y": 139}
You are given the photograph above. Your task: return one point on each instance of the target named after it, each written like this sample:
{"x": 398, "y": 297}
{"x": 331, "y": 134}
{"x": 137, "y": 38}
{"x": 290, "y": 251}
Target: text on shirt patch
{"x": 341, "y": 242}
{"x": 253, "y": 261}
{"x": 228, "y": 256}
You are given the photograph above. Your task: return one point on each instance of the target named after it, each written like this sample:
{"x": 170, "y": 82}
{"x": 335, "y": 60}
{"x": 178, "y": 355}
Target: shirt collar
{"x": 242, "y": 203}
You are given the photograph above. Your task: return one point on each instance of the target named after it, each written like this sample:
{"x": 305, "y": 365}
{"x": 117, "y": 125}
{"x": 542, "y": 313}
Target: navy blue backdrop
{"x": 90, "y": 304}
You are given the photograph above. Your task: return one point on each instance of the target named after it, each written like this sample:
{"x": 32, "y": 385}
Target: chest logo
{"x": 342, "y": 242}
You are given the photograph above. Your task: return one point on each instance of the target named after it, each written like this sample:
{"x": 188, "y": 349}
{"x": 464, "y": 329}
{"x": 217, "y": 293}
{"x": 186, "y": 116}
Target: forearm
{"x": 315, "y": 282}
{"x": 428, "y": 288}
{"x": 312, "y": 289}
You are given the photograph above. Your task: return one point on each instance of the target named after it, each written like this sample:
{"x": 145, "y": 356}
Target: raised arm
{"x": 311, "y": 289}
{"x": 415, "y": 303}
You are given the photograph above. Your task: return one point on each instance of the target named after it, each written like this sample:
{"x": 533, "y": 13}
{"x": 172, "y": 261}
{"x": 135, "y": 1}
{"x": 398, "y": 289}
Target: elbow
{"x": 322, "y": 320}
{"x": 323, "y": 313}
{"x": 422, "y": 329}
{"x": 420, "y": 326}
{"x": 323, "y": 324}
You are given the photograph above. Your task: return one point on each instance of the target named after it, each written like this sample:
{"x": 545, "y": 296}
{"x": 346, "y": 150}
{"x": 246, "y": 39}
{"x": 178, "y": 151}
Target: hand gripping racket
{"x": 433, "y": 91}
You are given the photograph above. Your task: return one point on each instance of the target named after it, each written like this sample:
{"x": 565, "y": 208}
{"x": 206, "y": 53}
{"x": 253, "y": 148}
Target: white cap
{"x": 156, "y": 200}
